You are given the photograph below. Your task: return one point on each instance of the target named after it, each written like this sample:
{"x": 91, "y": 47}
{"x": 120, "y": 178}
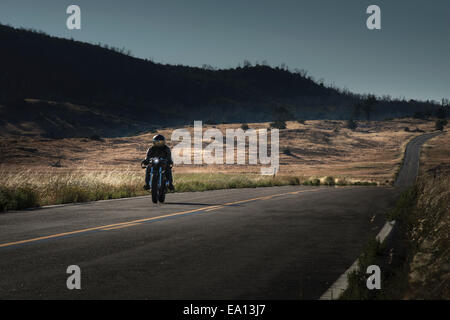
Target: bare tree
{"x": 368, "y": 105}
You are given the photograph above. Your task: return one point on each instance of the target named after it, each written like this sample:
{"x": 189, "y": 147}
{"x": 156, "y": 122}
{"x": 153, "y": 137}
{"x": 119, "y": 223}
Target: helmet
{"x": 159, "y": 140}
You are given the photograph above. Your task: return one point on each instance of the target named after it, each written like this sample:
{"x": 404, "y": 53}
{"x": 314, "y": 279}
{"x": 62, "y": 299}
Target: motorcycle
{"x": 158, "y": 180}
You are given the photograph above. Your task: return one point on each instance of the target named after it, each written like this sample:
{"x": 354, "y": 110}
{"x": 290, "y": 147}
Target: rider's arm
{"x": 169, "y": 155}
{"x": 149, "y": 153}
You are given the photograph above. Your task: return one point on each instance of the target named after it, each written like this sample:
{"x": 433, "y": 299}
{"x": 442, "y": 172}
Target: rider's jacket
{"x": 160, "y": 152}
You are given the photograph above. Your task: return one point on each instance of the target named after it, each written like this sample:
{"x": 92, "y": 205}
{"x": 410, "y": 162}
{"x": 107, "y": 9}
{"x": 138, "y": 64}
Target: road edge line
{"x": 51, "y": 206}
{"x": 341, "y": 284}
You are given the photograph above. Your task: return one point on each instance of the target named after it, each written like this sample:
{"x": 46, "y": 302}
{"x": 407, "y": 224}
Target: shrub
{"x": 244, "y": 126}
{"x": 278, "y": 125}
{"x": 351, "y": 124}
{"x": 17, "y": 199}
{"x": 96, "y": 137}
{"x": 329, "y": 181}
{"x": 287, "y": 151}
{"x": 404, "y": 205}
{"x": 441, "y": 112}
{"x": 440, "y": 124}
{"x": 313, "y": 182}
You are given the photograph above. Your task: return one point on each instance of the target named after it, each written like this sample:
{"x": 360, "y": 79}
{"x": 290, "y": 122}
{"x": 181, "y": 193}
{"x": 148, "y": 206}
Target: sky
{"x": 409, "y": 57}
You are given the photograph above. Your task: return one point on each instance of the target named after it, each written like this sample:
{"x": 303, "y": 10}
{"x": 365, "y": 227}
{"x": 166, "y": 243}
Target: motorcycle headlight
{"x": 156, "y": 161}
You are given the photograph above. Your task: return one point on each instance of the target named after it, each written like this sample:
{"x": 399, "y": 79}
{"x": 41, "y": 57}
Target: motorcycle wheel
{"x": 162, "y": 192}
{"x": 155, "y": 188}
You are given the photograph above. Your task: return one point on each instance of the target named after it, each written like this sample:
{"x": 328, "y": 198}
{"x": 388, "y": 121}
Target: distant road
{"x": 287, "y": 242}
{"x": 408, "y": 173}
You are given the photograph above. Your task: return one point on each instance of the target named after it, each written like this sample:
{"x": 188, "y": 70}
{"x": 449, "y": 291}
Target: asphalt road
{"x": 288, "y": 242}
{"x": 408, "y": 174}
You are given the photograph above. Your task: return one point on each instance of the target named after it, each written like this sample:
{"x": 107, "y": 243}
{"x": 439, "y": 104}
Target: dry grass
{"x": 429, "y": 276}
{"x": 317, "y": 149}
{"x": 416, "y": 265}
{"x": 57, "y": 188}
{"x": 435, "y": 155}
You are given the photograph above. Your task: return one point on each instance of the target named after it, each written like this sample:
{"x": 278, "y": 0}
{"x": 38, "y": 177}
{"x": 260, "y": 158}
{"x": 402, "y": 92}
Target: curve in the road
{"x": 407, "y": 176}
{"x": 410, "y": 166}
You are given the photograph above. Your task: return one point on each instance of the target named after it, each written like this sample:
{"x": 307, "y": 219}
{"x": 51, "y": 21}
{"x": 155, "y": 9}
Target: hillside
{"x": 76, "y": 89}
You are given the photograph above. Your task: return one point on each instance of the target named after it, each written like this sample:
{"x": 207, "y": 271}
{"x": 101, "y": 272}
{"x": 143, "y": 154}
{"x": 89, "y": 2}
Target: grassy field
{"x": 36, "y": 171}
{"x": 314, "y": 148}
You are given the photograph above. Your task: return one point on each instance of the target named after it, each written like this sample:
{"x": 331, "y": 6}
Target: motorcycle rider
{"x": 159, "y": 150}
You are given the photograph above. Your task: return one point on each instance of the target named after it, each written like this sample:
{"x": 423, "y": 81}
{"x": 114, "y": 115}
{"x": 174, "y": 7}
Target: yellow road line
{"x": 119, "y": 227}
{"x": 267, "y": 198}
{"x": 134, "y": 222}
{"x": 215, "y": 208}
